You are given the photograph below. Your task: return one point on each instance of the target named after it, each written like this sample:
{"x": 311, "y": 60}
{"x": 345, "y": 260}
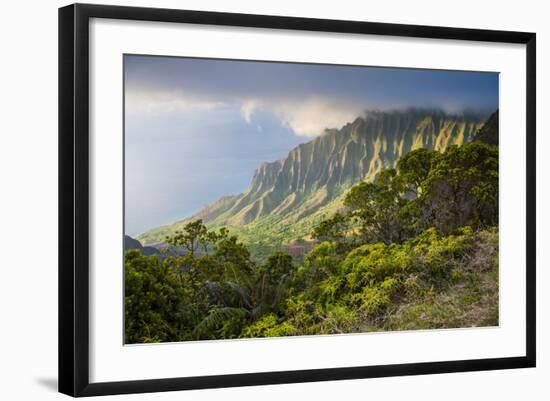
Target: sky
{"x": 195, "y": 129}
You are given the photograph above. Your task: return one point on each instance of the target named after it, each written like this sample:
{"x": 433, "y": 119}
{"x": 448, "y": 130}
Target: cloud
{"x": 141, "y": 100}
{"x": 306, "y": 97}
{"x": 247, "y": 108}
{"x": 307, "y": 117}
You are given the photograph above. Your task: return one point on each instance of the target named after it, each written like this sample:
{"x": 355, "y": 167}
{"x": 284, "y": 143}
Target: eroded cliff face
{"x": 288, "y": 197}
{"x": 314, "y": 173}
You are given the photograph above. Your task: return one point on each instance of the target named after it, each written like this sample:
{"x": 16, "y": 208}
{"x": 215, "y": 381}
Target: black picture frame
{"x": 74, "y": 198}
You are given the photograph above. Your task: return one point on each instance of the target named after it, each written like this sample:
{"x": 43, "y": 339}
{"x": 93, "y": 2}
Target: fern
{"x": 242, "y": 292}
{"x": 216, "y": 318}
{"x": 281, "y": 286}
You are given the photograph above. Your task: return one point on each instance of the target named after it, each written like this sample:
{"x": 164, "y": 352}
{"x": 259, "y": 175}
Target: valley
{"x": 286, "y": 198}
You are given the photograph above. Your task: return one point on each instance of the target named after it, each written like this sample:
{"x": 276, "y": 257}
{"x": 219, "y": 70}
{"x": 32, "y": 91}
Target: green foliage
{"x": 372, "y": 263}
{"x": 153, "y": 300}
{"x": 414, "y": 169}
{"x": 376, "y": 206}
{"x": 195, "y": 235}
{"x": 339, "y": 319}
{"x": 224, "y": 322}
{"x": 332, "y": 229}
{"x": 448, "y": 190}
{"x": 462, "y": 188}
{"x": 371, "y": 300}
{"x": 413, "y": 249}
{"x": 267, "y": 326}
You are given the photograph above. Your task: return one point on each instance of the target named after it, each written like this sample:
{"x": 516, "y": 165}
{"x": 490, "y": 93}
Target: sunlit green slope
{"x": 287, "y": 197}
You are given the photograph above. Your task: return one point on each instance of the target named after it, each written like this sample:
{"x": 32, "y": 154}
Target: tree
{"x": 234, "y": 258}
{"x": 375, "y": 206}
{"x": 216, "y": 271}
{"x": 446, "y": 190}
{"x": 190, "y": 237}
{"x": 462, "y": 188}
{"x": 413, "y": 169}
{"x": 153, "y": 300}
{"x": 272, "y": 279}
{"x": 333, "y": 229}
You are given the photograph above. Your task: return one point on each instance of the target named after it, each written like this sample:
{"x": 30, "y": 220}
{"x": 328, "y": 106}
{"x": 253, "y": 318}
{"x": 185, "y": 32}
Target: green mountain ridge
{"x": 288, "y": 197}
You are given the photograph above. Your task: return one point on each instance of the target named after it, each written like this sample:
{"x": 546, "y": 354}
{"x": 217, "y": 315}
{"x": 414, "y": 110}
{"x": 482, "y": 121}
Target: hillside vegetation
{"x": 288, "y": 197}
{"x": 416, "y": 247}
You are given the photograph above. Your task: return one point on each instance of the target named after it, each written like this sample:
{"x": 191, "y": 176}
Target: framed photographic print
{"x": 249, "y": 199}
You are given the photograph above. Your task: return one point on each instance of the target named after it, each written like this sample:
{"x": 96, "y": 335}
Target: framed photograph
{"x": 250, "y": 199}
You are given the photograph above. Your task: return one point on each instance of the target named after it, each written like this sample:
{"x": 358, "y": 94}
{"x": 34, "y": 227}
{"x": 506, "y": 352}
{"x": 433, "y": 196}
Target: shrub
{"x": 268, "y": 326}
{"x": 339, "y": 319}
{"x": 372, "y": 300}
